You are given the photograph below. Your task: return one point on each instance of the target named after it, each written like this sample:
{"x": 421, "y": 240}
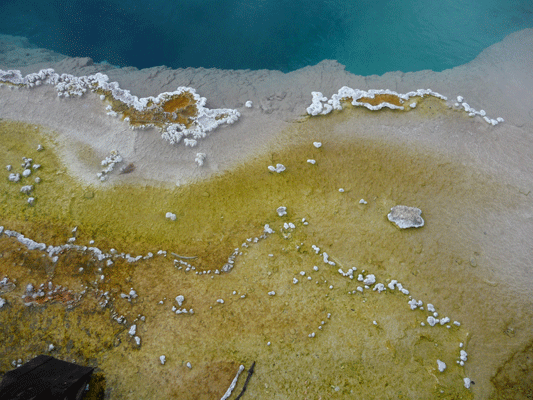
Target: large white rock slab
{"x": 406, "y": 217}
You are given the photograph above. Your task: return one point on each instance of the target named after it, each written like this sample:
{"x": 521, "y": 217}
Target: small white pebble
{"x": 268, "y": 343}
{"x": 189, "y": 365}
{"x": 467, "y": 382}
{"x": 374, "y": 322}
{"x": 170, "y": 216}
{"x": 294, "y": 280}
{"x": 272, "y": 293}
{"x": 311, "y": 335}
{"x": 341, "y": 190}
{"x": 441, "y": 365}
{"x": 317, "y": 144}
{"x": 163, "y": 360}
{"x": 363, "y": 201}
{"x": 220, "y": 301}
{"x": 310, "y": 161}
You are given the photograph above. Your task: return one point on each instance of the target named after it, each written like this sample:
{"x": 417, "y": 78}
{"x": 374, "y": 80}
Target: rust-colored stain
{"x": 378, "y": 99}
{"x": 177, "y": 109}
{"x": 50, "y": 293}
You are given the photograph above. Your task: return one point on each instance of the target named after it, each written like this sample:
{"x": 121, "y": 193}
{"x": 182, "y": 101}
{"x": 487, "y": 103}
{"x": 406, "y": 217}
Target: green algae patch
{"x": 316, "y": 336}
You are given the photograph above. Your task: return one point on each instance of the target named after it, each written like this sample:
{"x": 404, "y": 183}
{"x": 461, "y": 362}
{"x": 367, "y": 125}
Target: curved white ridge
{"x": 321, "y": 105}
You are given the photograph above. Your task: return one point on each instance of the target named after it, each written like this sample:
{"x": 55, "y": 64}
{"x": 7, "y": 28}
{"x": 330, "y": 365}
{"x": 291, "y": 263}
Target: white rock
{"x": 431, "y": 321}
{"x": 221, "y": 301}
{"x": 272, "y": 293}
{"x": 380, "y": 287}
{"x": 170, "y": 216}
{"x": 317, "y": 144}
{"x": 133, "y": 330}
{"x": 341, "y": 190}
{"x": 441, "y": 365}
{"x": 137, "y": 340}
{"x": 311, "y": 161}
{"x": 163, "y": 360}
{"x": 248, "y": 104}
{"x": 463, "y": 355}
{"x": 26, "y": 173}
{"x": 363, "y": 201}
{"x": 280, "y": 168}
{"x": 281, "y": 211}
{"x": 430, "y": 307}
{"x": 14, "y": 177}
{"x": 180, "y": 300}
{"x": 467, "y": 382}
{"x": 26, "y": 189}
{"x": 369, "y": 279}
{"x": 267, "y": 229}
{"x": 294, "y": 280}
{"x": 406, "y": 217}
{"x": 189, "y": 365}
{"x": 199, "y": 159}
{"x": 2, "y": 302}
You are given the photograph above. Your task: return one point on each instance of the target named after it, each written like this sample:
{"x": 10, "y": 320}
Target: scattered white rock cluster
{"x": 473, "y": 112}
{"x": 321, "y": 105}
{"x": 109, "y": 162}
{"x": 279, "y": 168}
{"x": 16, "y": 177}
{"x": 69, "y": 85}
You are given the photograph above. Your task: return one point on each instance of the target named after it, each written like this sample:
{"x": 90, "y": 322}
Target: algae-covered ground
{"x": 315, "y": 338}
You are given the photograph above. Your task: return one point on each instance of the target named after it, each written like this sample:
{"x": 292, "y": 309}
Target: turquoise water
{"x": 368, "y": 36}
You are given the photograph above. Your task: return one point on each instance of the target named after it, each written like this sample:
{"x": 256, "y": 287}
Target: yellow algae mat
{"x": 296, "y": 297}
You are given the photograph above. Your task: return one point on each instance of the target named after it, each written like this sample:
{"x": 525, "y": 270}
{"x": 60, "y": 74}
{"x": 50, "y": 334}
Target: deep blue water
{"x": 368, "y": 36}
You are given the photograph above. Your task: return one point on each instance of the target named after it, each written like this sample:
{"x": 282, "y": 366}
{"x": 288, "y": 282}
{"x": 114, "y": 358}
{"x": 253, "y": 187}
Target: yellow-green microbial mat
{"x": 311, "y": 332}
